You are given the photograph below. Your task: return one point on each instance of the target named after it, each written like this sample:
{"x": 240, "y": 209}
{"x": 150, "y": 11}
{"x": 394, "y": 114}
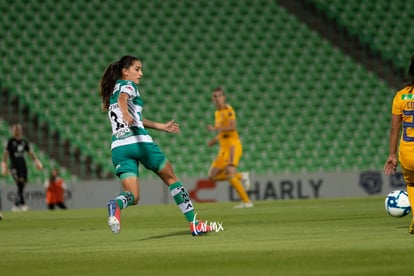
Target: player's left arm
{"x": 37, "y": 162}
{"x": 4, "y": 169}
{"x": 170, "y": 126}
{"x": 229, "y": 127}
{"x": 213, "y": 141}
{"x": 230, "y": 124}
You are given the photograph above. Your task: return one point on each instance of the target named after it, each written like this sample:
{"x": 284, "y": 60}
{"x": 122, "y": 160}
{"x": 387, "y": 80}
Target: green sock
{"x": 183, "y": 201}
{"x": 125, "y": 199}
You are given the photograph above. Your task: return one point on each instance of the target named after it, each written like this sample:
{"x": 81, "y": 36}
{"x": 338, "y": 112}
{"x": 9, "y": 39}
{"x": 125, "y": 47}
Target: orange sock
{"x": 221, "y": 176}
{"x": 236, "y": 184}
{"x": 224, "y": 176}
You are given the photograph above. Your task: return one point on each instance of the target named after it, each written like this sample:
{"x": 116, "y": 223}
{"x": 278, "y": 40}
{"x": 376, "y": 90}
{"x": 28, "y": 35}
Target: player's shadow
{"x": 167, "y": 235}
{"x": 401, "y": 227}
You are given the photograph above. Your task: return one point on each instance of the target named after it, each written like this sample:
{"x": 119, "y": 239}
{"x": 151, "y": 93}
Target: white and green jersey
{"x": 123, "y": 134}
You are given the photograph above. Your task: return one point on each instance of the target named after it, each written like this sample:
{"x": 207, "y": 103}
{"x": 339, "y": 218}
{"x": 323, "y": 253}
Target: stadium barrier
{"x": 94, "y": 194}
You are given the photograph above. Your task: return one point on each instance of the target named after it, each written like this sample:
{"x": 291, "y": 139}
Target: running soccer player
{"x": 224, "y": 167}
{"x": 132, "y": 145}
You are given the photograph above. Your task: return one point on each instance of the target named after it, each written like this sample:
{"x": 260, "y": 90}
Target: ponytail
{"x": 108, "y": 80}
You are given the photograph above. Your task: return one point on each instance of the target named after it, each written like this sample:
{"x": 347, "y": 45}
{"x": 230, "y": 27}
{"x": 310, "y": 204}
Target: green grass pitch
{"x": 293, "y": 237}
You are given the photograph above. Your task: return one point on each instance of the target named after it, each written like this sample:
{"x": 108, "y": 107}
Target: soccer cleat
{"x": 411, "y": 229}
{"x": 114, "y": 217}
{"x": 24, "y": 208}
{"x": 246, "y": 181}
{"x": 16, "y": 209}
{"x": 244, "y": 205}
{"x": 199, "y": 229}
{"x": 1, "y": 216}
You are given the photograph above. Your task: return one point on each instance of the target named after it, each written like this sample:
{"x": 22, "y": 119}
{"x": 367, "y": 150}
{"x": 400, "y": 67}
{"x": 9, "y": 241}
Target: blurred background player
{"x": 55, "y": 189}
{"x": 15, "y": 150}
{"x": 132, "y": 144}
{"x": 403, "y": 116}
{"x": 224, "y": 167}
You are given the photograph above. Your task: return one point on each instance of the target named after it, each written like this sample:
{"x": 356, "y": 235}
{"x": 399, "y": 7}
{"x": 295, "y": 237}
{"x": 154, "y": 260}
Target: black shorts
{"x": 19, "y": 174}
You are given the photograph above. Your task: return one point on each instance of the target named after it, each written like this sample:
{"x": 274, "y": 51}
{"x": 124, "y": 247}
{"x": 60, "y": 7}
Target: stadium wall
{"x": 94, "y": 194}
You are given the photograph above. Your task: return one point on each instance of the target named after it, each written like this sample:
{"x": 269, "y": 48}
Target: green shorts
{"x": 126, "y": 159}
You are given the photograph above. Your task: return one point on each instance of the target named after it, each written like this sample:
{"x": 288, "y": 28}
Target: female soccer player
{"x": 132, "y": 145}
{"x": 224, "y": 167}
{"x": 403, "y": 116}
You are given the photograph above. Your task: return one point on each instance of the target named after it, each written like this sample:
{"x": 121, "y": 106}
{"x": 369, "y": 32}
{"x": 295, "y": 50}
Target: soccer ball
{"x": 397, "y": 204}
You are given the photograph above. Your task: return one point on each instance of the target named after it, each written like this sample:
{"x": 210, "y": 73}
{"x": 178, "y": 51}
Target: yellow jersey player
{"x": 403, "y": 120}
{"x": 224, "y": 167}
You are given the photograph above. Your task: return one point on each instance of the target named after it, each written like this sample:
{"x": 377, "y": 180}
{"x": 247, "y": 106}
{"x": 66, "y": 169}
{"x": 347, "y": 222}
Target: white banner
{"x": 95, "y": 194}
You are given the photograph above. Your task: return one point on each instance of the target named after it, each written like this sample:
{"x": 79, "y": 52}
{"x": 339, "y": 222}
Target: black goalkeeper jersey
{"x": 17, "y": 149}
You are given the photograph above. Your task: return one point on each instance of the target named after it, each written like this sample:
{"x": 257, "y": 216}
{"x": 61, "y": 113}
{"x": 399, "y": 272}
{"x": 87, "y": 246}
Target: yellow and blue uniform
{"x": 403, "y": 105}
{"x": 230, "y": 145}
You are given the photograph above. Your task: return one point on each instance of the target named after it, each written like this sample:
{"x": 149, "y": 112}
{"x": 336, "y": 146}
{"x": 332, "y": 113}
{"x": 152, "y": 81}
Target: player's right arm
{"x": 214, "y": 128}
{"x": 213, "y": 141}
{"x": 4, "y": 170}
{"x": 123, "y": 106}
{"x": 391, "y": 163}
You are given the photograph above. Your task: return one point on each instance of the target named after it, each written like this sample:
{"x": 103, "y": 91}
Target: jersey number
{"x": 407, "y": 125}
{"x": 115, "y": 118}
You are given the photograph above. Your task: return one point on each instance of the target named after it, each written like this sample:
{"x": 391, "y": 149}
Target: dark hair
{"x": 113, "y": 73}
{"x": 219, "y": 88}
{"x": 411, "y": 70}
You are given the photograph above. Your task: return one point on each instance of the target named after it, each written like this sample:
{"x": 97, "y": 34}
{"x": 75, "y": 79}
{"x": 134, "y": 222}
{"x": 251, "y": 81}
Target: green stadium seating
{"x": 302, "y": 105}
{"x": 384, "y": 25}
